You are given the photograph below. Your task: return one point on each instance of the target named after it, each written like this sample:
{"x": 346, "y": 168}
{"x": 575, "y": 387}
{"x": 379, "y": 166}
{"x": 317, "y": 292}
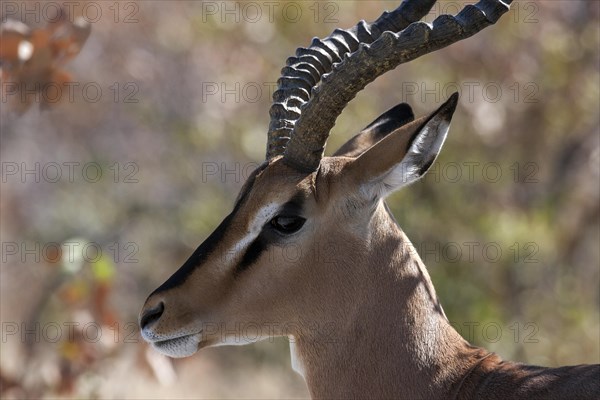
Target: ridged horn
{"x": 304, "y": 71}
{"x": 318, "y": 83}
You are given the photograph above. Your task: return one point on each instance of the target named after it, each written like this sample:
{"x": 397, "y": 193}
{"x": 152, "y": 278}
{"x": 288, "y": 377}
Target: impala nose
{"x": 152, "y": 314}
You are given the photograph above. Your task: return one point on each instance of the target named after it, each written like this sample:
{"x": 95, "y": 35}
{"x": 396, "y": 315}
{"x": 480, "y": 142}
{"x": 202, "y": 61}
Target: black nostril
{"x": 152, "y": 315}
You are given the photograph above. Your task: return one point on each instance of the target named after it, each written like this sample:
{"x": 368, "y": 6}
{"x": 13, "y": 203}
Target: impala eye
{"x": 287, "y": 224}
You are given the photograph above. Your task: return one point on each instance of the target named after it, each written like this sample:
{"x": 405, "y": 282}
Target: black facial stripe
{"x": 294, "y": 207}
{"x": 209, "y": 245}
{"x": 252, "y": 253}
{"x": 198, "y": 257}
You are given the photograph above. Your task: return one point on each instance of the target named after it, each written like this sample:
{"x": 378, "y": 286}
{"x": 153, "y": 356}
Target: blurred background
{"x": 108, "y": 188}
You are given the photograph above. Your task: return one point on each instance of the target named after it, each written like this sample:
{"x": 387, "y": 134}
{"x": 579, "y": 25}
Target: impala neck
{"x": 397, "y": 341}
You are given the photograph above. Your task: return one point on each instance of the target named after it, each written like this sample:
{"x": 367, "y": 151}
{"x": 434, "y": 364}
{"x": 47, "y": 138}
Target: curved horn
{"x": 304, "y": 71}
{"x": 306, "y": 124}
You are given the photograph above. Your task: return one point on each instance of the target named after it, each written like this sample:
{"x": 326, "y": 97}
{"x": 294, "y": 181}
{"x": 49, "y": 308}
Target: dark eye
{"x": 287, "y": 224}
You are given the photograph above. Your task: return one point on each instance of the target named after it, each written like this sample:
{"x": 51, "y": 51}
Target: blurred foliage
{"x": 181, "y": 121}
{"x": 32, "y": 59}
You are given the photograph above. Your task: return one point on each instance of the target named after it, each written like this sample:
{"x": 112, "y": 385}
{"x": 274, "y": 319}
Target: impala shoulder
{"x": 495, "y": 378}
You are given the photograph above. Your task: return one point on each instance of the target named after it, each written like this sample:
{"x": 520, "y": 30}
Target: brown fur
{"x": 357, "y": 301}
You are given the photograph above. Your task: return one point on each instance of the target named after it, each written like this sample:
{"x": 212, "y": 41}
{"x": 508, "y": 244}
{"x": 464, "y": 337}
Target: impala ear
{"x": 385, "y": 124}
{"x": 403, "y": 156}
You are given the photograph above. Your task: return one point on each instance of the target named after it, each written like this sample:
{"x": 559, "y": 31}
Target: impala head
{"x": 289, "y": 252}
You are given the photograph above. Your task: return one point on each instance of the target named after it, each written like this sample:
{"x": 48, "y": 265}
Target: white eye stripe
{"x": 262, "y": 216}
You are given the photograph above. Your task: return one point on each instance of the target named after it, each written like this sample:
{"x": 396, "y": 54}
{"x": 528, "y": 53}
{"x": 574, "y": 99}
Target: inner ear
{"x": 403, "y": 156}
{"x": 385, "y": 124}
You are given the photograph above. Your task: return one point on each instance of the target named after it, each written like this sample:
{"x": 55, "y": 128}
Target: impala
{"x": 355, "y": 299}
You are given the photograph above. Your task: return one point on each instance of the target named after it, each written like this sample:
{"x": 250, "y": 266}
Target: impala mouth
{"x": 181, "y": 346}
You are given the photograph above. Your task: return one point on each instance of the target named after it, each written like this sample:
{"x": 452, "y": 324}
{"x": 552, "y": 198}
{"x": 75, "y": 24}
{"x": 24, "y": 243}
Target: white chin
{"x": 180, "y": 347}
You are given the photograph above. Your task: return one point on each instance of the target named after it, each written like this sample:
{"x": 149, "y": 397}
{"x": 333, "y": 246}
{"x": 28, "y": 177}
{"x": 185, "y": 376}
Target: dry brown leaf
{"x": 31, "y": 60}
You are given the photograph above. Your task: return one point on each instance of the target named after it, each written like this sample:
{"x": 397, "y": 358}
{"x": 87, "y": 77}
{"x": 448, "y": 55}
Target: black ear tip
{"x": 453, "y": 100}
{"x": 401, "y": 114}
{"x": 454, "y": 97}
{"x": 403, "y": 111}
{"x": 448, "y": 108}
